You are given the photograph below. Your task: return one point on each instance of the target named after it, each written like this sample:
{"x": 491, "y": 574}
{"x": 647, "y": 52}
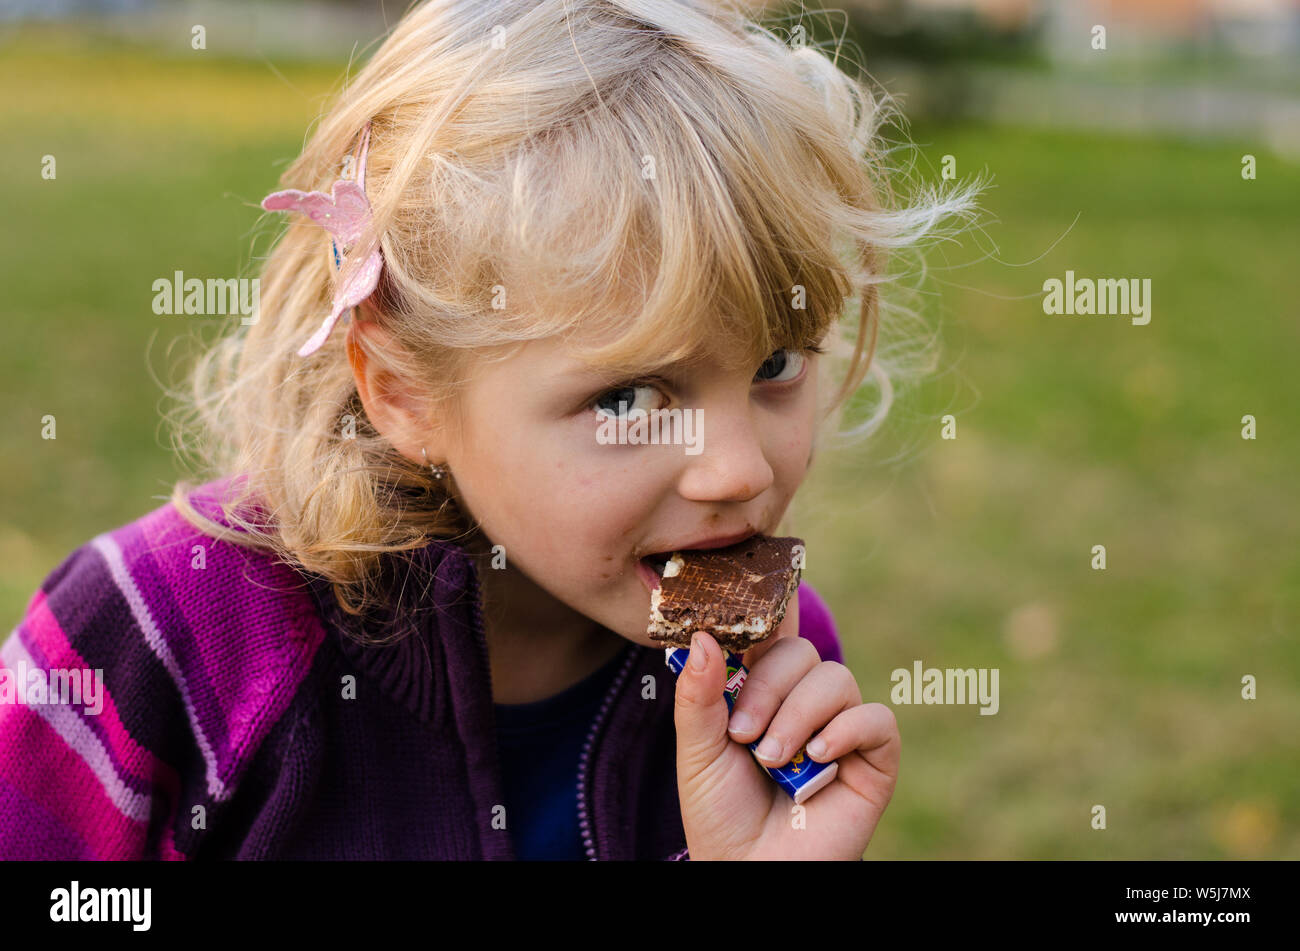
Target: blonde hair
{"x": 666, "y": 171}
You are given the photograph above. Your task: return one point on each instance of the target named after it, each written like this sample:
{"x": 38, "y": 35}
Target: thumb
{"x": 700, "y": 713}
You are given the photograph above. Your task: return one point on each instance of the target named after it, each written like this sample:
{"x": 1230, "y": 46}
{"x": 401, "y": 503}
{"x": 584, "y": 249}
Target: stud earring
{"x": 439, "y": 471}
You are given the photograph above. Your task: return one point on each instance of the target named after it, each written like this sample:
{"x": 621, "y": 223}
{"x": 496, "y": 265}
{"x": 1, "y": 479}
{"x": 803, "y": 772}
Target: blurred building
{"x": 1134, "y": 27}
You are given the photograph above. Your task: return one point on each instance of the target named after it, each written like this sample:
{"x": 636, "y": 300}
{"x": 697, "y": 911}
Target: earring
{"x": 439, "y": 471}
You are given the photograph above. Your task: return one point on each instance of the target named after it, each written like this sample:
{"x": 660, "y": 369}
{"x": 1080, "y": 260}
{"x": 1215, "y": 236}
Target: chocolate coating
{"x": 738, "y": 594}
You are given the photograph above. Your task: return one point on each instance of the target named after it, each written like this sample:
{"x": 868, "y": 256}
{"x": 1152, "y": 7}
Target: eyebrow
{"x": 594, "y": 375}
{"x": 587, "y": 373}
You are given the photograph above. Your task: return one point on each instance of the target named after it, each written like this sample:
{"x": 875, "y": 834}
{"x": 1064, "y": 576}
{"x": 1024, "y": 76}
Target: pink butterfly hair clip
{"x": 345, "y": 214}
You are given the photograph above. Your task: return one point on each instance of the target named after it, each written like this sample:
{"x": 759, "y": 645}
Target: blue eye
{"x": 608, "y": 403}
{"x": 781, "y": 367}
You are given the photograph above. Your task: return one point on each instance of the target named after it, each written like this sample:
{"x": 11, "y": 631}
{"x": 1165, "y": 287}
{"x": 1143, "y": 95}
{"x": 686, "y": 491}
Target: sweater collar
{"x": 422, "y": 640}
{"x": 434, "y": 663}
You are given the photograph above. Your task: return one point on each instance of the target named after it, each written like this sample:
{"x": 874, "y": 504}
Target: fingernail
{"x": 741, "y": 723}
{"x": 698, "y": 659}
{"x": 817, "y": 748}
{"x": 769, "y": 749}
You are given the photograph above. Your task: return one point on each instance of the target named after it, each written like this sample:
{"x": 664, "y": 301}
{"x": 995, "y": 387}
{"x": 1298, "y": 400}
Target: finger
{"x": 769, "y": 682}
{"x": 823, "y": 693}
{"x": 699, "y": 709}
{"x": 870, "y": 729}
{"x": 789, "y": 627}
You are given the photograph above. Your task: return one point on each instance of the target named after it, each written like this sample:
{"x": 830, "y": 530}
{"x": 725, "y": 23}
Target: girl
{"x": 406, "y": 617}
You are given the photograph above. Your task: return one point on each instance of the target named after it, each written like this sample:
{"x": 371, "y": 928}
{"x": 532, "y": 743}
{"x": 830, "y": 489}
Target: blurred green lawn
{"x": 1118, "y": 687}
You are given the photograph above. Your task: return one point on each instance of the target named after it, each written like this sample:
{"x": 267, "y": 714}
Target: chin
{"x": 633, "y": 631}
{"x": 631, "y": 617}
{"x": 632, "y": 627}
{"x": 641, "y": 638}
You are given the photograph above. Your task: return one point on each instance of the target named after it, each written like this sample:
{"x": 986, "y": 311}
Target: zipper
{"x": 476, "y": 617}
{"x": 584, "y": 823}
{"x": 476, "y": 620}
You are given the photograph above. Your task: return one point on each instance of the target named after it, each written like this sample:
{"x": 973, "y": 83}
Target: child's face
{"x": 575, "y": 515}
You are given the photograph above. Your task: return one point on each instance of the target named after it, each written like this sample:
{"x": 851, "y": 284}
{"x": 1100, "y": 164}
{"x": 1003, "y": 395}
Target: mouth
{"x": 650, "y": 568}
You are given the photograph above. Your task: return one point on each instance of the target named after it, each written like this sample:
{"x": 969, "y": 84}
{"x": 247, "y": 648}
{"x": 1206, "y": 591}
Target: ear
{"x": 399, "y": 412}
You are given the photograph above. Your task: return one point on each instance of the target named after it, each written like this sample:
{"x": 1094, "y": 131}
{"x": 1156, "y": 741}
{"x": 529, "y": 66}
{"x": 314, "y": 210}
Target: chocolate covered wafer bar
{"x": 737, "y": 595}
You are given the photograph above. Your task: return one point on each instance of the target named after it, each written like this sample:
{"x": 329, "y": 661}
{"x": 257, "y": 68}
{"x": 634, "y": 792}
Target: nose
{"x": 731, "y": 465}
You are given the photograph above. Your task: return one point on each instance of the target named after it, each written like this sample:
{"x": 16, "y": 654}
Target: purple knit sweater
{"x": 239, "y": 720}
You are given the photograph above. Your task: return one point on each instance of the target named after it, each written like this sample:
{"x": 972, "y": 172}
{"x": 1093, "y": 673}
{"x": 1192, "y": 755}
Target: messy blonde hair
{"x": 666, "y": 171}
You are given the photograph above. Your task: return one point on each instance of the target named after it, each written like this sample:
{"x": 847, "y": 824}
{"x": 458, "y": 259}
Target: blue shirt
{"x": 540, "y": 745}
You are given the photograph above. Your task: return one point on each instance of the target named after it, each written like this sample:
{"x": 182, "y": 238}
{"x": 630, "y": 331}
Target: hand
{"x": 731, "y": 809}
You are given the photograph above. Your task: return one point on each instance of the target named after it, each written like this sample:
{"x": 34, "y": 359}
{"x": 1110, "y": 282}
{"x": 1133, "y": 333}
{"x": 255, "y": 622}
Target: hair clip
{"x": 345, "y": 213}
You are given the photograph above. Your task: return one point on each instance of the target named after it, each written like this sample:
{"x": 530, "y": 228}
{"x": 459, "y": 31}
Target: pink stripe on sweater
{"x": 82, "y": 750}
{"x": 42, "y": 837}
{"x": 42, "y": 768}
{"x": 240, "y": 677}
{"x": 41, "y": 629}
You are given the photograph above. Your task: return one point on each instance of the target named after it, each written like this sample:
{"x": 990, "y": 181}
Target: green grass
{"x": 160, "y": 164}
{"x": 1118, "y": 687}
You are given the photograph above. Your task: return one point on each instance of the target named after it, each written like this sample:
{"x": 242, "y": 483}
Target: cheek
{"x": 605, "y": 516}
{"x": 793, "y": 446}
{"x": 577, "y": 531}
{"x": 602, "y": 502}
{"x": 801, "y": 449}
{"x": 575, "y": 505}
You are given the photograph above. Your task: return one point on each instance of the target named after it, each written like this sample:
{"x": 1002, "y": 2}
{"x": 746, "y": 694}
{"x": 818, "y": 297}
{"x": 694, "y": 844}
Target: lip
{"x": 717, "y": 541}
{"x": 650, "y": 578}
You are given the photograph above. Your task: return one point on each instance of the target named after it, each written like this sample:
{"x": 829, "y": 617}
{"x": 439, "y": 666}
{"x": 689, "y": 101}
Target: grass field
{"x": 1119, "y": 687}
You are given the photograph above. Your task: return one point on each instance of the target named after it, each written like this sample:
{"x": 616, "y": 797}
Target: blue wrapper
{"x": 802, "y": 776}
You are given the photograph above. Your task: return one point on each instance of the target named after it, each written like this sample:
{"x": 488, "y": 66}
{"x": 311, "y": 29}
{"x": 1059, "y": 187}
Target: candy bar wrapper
{"x": 802, "y": 776}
